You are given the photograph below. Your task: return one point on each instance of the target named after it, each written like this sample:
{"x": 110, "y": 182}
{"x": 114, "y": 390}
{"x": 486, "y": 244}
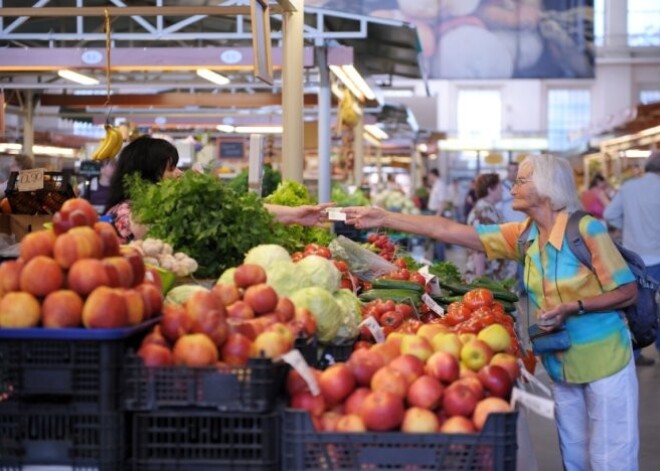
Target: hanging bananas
{"x": 110, "y": 145}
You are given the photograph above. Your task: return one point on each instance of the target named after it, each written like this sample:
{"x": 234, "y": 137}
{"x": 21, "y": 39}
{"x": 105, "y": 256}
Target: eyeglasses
{"x": 521, "y": 181}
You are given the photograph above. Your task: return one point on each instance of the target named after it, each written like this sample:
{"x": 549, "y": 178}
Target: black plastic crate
{"x": 204, "y": 440}
{"x": 348, "y": 231}
{"x": 53, "y": 435}
{"x": 48, "y": 200}
{"x": 81, "y": 368}
{"x": 331, "y": 354}
{"x": 254, "y": 387}
{"x": 303, "y": 448}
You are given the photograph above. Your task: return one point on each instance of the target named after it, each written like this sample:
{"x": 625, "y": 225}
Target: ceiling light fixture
{"x": 352, "y": 79}
{"x": 77, "y": 77}
{"x": 225, "y": 128}
{"x": 376, "y": 132}
{"x": 371, "y": 140}
{"x": 214, "y": 77}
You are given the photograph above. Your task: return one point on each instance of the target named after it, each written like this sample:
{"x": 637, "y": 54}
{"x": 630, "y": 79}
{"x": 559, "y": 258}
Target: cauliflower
{"x": 152, "y": 247}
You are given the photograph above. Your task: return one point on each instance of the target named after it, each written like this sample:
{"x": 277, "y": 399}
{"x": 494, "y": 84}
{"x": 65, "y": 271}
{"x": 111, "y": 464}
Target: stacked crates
{"x": 204, "y": 418}
{"x": 60, "y": 402}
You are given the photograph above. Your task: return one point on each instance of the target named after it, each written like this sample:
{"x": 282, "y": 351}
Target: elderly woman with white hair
{"x": 594, "y": 382}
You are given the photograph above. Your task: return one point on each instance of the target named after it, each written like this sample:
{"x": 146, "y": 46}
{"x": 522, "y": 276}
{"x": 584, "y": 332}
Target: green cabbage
{"x": 284, "y": 277}
{"x": 265, "y": 254}
{"x": 351, "y": 316}
{"x": 319, "y": 272}
{"x": 180, "y": 294}
{"x": 227, "y": 276}
{"x": 325, "y": 309}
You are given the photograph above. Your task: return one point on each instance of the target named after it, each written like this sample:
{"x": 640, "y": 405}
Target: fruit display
{"x": 77, "y": 274}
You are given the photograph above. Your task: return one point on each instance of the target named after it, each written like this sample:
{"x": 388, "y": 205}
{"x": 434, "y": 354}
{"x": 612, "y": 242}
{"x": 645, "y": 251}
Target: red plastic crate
{"x": 303, "y": 448}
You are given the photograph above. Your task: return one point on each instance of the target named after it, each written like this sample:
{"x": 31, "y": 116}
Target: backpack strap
{"x": 523, "y": 241}
{"x": 575, "y": 239}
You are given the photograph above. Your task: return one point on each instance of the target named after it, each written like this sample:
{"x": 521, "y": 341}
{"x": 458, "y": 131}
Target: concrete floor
{"x": 543, "y": 433}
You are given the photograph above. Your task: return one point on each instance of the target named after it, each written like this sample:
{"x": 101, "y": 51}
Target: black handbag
{"x": 548, "y": 342}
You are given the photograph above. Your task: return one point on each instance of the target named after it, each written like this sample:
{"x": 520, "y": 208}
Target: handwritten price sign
{"x": 30, "y": 180}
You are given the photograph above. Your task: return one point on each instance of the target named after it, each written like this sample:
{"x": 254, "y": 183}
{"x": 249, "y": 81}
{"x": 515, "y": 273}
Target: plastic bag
{"x": 363, "y": 263}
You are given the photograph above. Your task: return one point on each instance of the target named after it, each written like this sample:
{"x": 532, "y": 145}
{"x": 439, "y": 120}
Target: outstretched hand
{"x": 364, "y": 217}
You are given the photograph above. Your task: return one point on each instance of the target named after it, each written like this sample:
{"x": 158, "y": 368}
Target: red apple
{"x": 390, "y": 380}
{"x": 285, "y": 309}
{"x": 315, "y": 405}
{"x": 475, "y": 354}
{"x": 443, "y": 366}
{"x": 416, "y": 345}
{"x": 175, "y": 322}
{"x": 156, "y": 337}
{"x": 155, "y": 355}
{"x": 350, "y": 423}
{"x": 236, "y": 350}
{"x": 249, "y": 274}
{"x": 354, "y": 401}
{"x": 201, "y": 301}
{"x": 195, "y": 351}
{"x": 425, "y": 392}
{"x": 382, "y": 410}
{"x": 419, "y": 420}
{"x": 459, "y": 399}
{"x": 487, "y": 406}
{"x": 457, "y": 424}
{"x": 261, "y": 298}
{"x": 272, "y": 344}
{"x": 240, "y": 310}
{"x": 62, "y": 308}
{"x": 363, "y": 364}
{"x": 329, "y": 420}
{"x": 496, "y": 381}
{"x": 227, "y": 292}
{"x": 152, "y": 297}
{"x": 409, "y": 365}
{"x": 336, "y": 383}
{"x": 306, "y": 319}
{"x": 508, "y": 362}
{"x": 473, "y": 383}
{"x": 295, "y": 383}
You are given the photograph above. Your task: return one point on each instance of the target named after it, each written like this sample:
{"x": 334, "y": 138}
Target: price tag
{"x": 375, "y": 329}
{"x": 298, "y": 363}
{"x": 424, "y": 271}
{"x": 435, "y": 307}
{"x": 30, "y": 180}
{"x": 537, "y": 404}
{"x": 336, "y": 214}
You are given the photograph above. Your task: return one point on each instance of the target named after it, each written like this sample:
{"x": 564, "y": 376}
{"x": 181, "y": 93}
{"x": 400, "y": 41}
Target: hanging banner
{"x": 493, "y": 39}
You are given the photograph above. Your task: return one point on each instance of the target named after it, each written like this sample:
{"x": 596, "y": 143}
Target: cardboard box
{"x": 21, "y": 224}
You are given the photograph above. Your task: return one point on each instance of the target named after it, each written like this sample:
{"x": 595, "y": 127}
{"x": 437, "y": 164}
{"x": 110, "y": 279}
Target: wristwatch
{"x": 581, "y": 309}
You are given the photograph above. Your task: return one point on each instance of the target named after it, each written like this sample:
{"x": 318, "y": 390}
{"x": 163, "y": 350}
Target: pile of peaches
{"x": 77, "y": 273}
{"x": 227, "y": 325}
{"x": 427, "y": 382}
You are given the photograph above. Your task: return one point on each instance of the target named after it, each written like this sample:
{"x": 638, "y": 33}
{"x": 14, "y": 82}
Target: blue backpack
{"x": 643, "y": 315}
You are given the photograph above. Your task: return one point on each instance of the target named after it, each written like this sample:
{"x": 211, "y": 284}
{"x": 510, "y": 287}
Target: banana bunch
{"x": 110, "y": 145}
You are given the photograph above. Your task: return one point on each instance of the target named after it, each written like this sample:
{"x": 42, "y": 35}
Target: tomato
{"x": 341, "y": 265}
{"x": 366, "y": 286}
{"x": 324, "y": 252}
{"x": 391, "y": 319}
{"x": 405, "y": 309}
{"x": 371, "y": 237}
{"x": 417, "y": 278}
{"x": 311, "y": 249}
{"x": 401, "y": 262}
{"x": 457, "y": 313}
{"x": 346, "y": 283}
{"x": 297, "y": 256}
{"x": 477, "y": 298}
{"x": 385, "y": 306}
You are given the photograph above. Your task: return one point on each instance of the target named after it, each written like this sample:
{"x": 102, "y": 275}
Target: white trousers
{"x": 598, "y": 422}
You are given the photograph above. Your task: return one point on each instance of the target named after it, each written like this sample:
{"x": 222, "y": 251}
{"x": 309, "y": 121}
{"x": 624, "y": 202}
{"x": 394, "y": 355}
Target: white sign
{"x": 231, "y": 56}
{"x": 375, "y": 329}
{"x": 298, "y": 363}
{"x": 91, "y": 57}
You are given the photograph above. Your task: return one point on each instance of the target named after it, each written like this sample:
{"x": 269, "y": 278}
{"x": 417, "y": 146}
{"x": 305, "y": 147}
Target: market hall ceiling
{"x": 176, "y": 31}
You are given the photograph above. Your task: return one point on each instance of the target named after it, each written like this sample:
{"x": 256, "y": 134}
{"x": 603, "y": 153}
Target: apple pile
{"x": 228, "y": 324}
{"x": 428, "y": 382}
{"x": 77, "y": 273}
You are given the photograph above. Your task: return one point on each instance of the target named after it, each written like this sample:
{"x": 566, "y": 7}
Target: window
{"x": 643, "y": 23}
{"x": 479, "y": 115}
{"x": 599, "y": 22}
{"x": 649, "y": 96}
{"x": 569, "y": 113}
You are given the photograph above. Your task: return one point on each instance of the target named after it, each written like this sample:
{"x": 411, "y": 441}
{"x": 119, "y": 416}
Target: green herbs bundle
{"x": 200, "y": 215}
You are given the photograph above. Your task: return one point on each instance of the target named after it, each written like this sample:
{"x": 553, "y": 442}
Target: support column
{"x": 324, "y": 126}
{"x": 358, "y": 151}
{"x": 616, "y": 24}
{"x": 28, "y": 123}
{"x": 292, "y": 93}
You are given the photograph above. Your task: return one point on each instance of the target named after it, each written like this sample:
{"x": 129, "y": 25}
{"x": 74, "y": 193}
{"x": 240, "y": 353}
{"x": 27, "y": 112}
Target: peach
{"x": 136, "y": 260}
{"x": 152, "y": 297}
{"x": 41, "y": 275}
{"x": 227, "y": 292}
{"x": 109, "y": 238}
{"x": 78, "y": 242}
{"x": 155, "y": 355}
{"x": 10, "y": 275}
{"x": 201, "y": 301}
{"x": 74, "y": 212}
{"x": 19, "y": 309}
{"x": 195, "y": 350}
{"x": 119, "y": 271}
{"x": 212, "y": 323}
{"x": 176, "y": 322}
{"x": 104, "y": 308}
{"x": 85, "y": 275}
{"x": 134, "y": 305}
{"x": 37, "y": 243}
{"x": 236, "y": 350}
{"x": 62, "y": 308}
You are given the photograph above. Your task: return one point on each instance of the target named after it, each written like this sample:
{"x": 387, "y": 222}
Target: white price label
{"x": 537, "y": 404}
{"x": 298, "y": 363}
{"x": 30, "y": 180}
{"x": 336, "y": 214}
{"x": 375, "y": 329}
{"x": 424, "y": 271}
{"x": 435, "y": 307}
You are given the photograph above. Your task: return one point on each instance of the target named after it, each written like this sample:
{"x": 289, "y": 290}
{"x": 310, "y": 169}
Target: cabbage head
{"x": 227, "y": 276}
{"x": 351, "y": 316}
{"x": 319, "y": 272}
{"x": 325, "y": 309}
{"x": 265, "y": 254}
{"x": 179, "y": 294}
{"x": 284, "y": 277}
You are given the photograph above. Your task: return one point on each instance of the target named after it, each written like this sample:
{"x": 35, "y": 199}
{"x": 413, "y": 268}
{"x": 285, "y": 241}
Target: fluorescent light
{"x": 359, "y": 82}
{"x": 225, "y": 128}
{"x": 371, "y": 140}
{"x": 376, "y": 132}
{"x": 258, "y": 129}
{"x": 214, "y": 77}
{"x": 14, "y": 148}
{"x": 76, "y": 77}
{"x": 348, "y": 83}
{"x": 637, "y": 153}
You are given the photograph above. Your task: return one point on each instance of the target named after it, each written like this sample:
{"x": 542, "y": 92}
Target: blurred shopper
{"x": 635, "y": 209}
{"x": 98, "y": 191}
{"x": 470, "y": 198}
{"x": 489, "y": 193}
{"x": 438, "y": 200}
{"x": 506, "y": 205}
{"x": 595, "y": 389}
{"x": 596, "y": 198}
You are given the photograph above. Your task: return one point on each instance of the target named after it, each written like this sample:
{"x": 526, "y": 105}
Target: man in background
{"x": 438, "y": 202}
{"x": 635, "y": 209}
{"x": 505, "y": 206}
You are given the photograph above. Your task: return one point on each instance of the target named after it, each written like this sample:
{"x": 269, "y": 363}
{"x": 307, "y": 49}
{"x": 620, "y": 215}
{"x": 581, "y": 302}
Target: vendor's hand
{"x": 363, "y": 217}
{"x": 551, "y": 319}
{"x": 308, "y": 215}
